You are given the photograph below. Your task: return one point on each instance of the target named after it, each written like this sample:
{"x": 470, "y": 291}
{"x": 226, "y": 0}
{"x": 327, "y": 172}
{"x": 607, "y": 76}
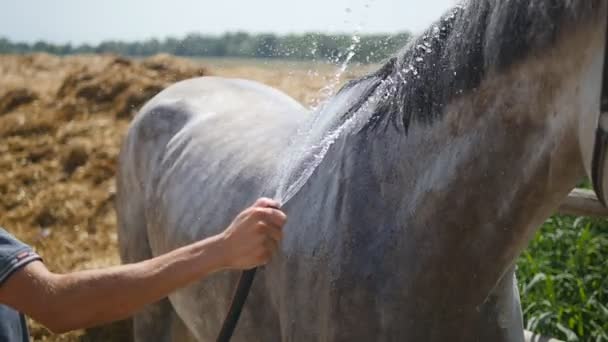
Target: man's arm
{"x": 83, "y": 299}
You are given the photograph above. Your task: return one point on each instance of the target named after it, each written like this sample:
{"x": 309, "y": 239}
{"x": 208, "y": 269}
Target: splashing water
{"x": 308, "y": 149}
{"x": 330, "y": 88}
{"x": 305, "y": 154}
{"x": 304, "y": 160}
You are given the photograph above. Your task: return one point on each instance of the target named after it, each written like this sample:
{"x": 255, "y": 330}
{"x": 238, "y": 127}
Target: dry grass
{"x": 61, "y": 124}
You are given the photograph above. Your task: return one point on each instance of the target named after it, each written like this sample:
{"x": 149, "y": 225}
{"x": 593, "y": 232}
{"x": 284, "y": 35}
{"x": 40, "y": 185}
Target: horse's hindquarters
{"x": 196, "y": 155}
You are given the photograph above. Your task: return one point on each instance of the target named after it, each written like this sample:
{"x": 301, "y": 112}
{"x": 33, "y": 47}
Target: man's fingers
{"x": 269, "y": 215}
{"x": 271, "y": 245}
{"x": 274, "y": 232}
{"x": 267, "y": 203}
{"x": 277, "y": 217}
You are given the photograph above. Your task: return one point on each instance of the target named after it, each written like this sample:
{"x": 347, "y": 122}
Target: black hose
{"x": 236, "y": 307}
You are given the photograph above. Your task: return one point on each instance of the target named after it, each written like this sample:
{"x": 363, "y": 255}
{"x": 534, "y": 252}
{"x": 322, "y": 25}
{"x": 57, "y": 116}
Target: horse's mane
{"x": 452, "y": 57}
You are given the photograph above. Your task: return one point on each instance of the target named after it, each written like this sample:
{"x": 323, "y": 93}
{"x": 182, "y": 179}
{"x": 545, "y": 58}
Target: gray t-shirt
{"x": 13, "y": 255}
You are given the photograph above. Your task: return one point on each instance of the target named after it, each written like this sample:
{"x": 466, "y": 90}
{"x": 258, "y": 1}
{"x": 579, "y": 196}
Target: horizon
{"x": 73, "y": 22}
{"x": 212, "y": 35}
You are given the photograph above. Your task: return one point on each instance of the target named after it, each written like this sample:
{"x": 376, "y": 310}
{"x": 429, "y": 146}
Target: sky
{"x": 82, "y": 21}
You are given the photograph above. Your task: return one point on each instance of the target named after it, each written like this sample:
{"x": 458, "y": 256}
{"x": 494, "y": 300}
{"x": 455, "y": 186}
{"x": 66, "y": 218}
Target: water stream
{"x": 307, "y": 148}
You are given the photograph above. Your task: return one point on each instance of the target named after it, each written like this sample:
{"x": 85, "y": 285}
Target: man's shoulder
{"x": 8, "y": 241}
{"x": 14, "y": 254}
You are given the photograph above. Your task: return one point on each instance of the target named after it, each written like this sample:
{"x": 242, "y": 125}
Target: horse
{"x": 409, "y": 227}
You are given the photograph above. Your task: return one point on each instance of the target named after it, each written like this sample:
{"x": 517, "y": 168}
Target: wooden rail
{"x": 581, "y": 202}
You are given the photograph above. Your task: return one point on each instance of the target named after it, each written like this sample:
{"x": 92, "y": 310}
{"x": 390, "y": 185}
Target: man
{"x": 64, "y": 302}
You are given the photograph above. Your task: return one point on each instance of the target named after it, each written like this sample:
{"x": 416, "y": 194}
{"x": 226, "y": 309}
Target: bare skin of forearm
{"x": 88, "y": 298}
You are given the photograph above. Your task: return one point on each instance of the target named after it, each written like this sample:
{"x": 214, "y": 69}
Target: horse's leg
{"x": 151, "y": 324}
{"x": 147, "y": 136}
{"x": 179, "y": 330}
{"x": 504, "y": 308}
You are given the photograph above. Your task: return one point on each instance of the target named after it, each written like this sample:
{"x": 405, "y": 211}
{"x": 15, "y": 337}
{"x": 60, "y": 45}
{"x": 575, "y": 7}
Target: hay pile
{"x": 61, "y": 124}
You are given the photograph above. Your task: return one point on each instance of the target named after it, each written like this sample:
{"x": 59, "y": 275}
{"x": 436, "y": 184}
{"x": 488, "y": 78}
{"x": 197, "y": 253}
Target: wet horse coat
{"x": 410, "y": 226}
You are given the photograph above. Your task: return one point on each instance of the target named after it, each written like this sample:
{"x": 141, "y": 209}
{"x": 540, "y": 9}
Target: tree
{"x": 315, "y": 46}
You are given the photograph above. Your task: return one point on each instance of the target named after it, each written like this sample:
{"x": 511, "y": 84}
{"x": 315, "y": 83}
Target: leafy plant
{"x": 563, "y": 279}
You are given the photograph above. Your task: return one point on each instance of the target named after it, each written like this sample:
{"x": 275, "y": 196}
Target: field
{"x": 61, "y": 123}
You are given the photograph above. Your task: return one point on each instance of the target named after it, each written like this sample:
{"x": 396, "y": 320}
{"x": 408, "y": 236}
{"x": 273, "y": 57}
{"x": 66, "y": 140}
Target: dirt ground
{"x": 62, "y": 120}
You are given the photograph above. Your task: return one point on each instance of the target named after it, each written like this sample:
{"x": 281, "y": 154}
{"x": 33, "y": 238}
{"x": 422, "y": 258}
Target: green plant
{"x": 563, "y": 279}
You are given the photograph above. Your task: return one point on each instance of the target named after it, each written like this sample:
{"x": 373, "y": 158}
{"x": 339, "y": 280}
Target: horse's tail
{"x": 130, "y": 209}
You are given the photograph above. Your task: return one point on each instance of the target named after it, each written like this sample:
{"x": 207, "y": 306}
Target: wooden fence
{"x": 582, "y": 202}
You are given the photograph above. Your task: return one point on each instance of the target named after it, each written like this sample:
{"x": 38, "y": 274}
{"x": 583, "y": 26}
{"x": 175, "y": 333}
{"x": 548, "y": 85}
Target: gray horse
{"x": 409, "y": 227}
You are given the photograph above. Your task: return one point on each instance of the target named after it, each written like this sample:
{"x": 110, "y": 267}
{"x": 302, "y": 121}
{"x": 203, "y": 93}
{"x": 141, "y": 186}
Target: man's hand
{"x": 254, "y": 235}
